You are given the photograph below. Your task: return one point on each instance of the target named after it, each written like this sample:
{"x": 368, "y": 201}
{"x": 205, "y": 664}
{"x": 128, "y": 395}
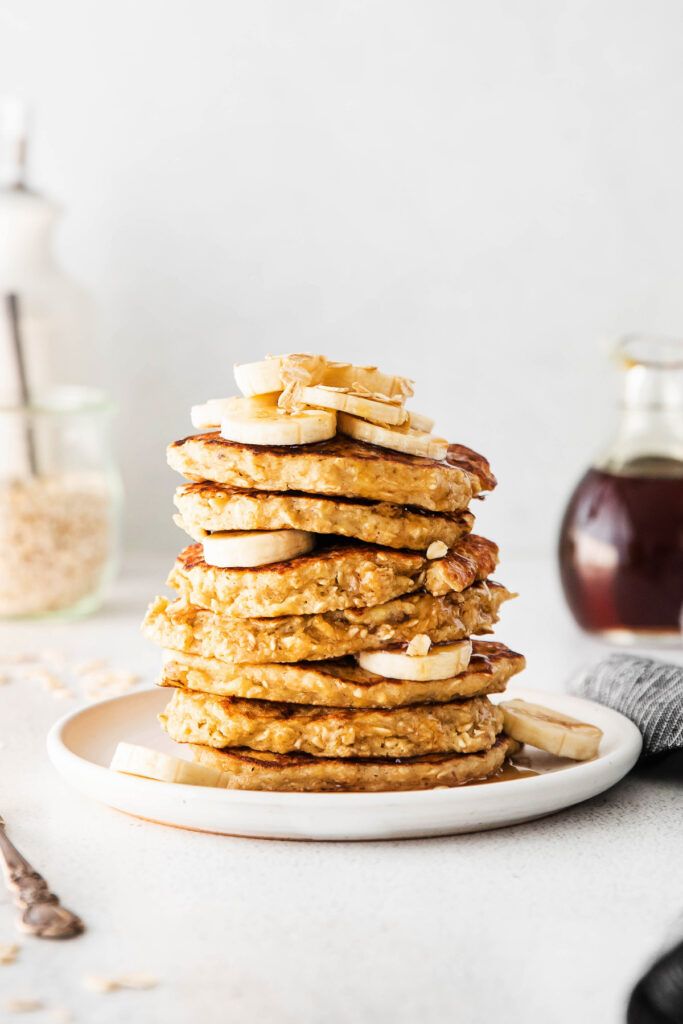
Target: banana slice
{"x": 442, "y": 662}
{"x": 550, "y": 730}
{"x": 366, "y": 379}
{"x": 258, "y": 378}
{"x": 419, "y": 422}
{"x": 400, "y": 439}
{"x": 274, "y": 373}
{"x": 259, "y": 421}
{"x": 211, "y": 414}
{"x": 151, "y": 764}
{"x": 321, "y": 396}
{"x": 244, "y": 549}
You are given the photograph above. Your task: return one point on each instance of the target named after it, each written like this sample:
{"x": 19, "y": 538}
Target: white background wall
{"x": 470, "y": 193}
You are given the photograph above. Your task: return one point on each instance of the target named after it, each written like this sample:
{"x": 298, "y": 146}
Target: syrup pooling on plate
{"x": 527, "y": 765}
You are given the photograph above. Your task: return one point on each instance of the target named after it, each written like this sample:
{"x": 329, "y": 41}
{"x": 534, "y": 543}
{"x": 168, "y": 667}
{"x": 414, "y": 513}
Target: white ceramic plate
{"x": 81, "y": 746}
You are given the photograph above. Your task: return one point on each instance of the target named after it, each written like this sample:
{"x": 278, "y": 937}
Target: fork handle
{"x": 41, "y": 913}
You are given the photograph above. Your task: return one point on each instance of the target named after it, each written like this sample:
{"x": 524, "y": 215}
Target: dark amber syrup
{"x": 621, "y": 549}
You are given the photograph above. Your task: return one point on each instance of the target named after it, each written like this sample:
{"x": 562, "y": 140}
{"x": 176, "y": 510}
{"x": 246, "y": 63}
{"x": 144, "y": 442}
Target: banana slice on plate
{"x": 259, "y": 421}
{"x": 151, "y": 764}
{"x": 324, "y": 397}
{"x": 245, "y": 549}
{"x": 400, "y": 439}
{"x": 442, "y": 662}
{"x": 550, "y": 730}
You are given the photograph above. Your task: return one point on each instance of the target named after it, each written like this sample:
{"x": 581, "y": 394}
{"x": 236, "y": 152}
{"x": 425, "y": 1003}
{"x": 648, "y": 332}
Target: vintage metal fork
{"x": 41, "y": 913}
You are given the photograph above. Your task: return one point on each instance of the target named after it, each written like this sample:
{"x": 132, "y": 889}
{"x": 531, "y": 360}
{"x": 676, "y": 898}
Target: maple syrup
{"x": 528, "y": 764}
{"x": 621, "y": 550}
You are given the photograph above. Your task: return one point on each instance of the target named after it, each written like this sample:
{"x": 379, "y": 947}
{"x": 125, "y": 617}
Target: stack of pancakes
{"x": 261, "y": 660}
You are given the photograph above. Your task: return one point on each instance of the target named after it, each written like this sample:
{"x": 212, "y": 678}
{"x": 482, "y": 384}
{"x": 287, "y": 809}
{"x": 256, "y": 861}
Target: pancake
{"x": 302, "y": 773}
{"x": 341, "y": 683}
{"x": 292, "y": 638}
{"x": 207, "y": 508}
{"x": 463, "y": 727}
{"x": 338, "y": 466}
{"x": 334, "y": 576}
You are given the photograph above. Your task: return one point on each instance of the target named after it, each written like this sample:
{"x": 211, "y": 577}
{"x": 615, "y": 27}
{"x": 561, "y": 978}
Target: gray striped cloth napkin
{"x": 648, "y": 692}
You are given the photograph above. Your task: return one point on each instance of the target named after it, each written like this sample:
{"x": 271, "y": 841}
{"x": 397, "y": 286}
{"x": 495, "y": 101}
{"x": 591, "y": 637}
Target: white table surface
{"x": 550, "y": 921}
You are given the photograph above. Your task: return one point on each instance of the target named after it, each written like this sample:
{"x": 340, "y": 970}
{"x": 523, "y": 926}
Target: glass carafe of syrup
{"x": 621, "y": 541}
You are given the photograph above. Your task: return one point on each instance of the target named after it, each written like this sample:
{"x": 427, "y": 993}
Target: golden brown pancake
{"x": 290, "y": 638}
{"x": 338, "y": 466}
{"x": 344, "y": 574}
{"x": 209, "y": 508}
{"x": 463, "y": 726}
{"x": 340, "y": 683}
{"x": 302, "y": 773}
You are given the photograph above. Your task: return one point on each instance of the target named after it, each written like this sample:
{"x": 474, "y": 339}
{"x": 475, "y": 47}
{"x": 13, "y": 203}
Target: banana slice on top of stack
{"x": 262, "y": 421}
{"x": 302, "y": 399}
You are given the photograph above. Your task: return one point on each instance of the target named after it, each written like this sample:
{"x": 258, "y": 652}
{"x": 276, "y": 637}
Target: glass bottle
{"x": 621, "y": 540}
{"x": 56, "y": 315}
{"x": 60, "y": 494}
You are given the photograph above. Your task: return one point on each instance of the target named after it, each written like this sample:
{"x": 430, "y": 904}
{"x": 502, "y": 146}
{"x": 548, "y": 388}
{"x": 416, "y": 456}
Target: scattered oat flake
{"x": 31, "y": 672}
{"x": 129, "y": 678}
{"x": 54, "y": 657}
{"x": 19, "y": 1005}
{"x": 113, "y": 677}
{"x": 4, "y": 678}
{"x": 9, "y": 952}
{"x": 61, "y": 1015}
{"x": 100, "y": 983}
{"x": 109, "y": 683}
{"x": 63, "y": 692}
{"x": 36, "y": 674}
{"x": 437, "y": 549}
{"x": 108, "y": 983}
{"x": 50, "y": 681}
{"x": 137, "y": 980}
{"x": 87, "y": 667}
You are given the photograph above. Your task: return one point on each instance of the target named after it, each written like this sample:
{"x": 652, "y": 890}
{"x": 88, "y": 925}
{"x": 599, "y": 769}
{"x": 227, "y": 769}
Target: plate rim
{"x": 66, "y": 762}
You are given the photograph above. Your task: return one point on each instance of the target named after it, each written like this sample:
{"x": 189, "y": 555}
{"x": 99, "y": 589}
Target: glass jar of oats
{"x": 60, "y": 501}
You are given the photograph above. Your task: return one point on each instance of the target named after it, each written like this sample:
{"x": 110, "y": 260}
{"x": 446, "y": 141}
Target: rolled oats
{"x": 55, "y": 541}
